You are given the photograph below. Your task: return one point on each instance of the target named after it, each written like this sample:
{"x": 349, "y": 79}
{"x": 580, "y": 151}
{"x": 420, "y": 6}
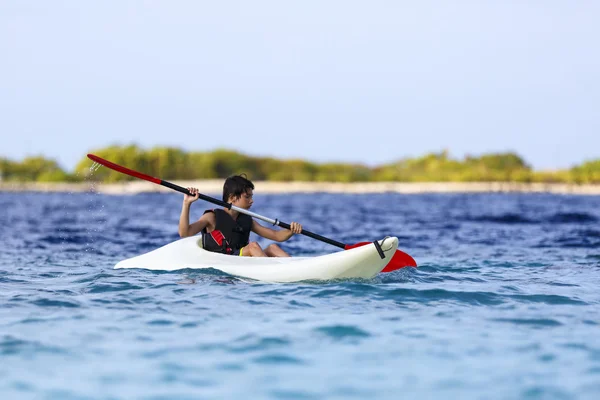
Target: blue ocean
{"x": 505, "y": 303}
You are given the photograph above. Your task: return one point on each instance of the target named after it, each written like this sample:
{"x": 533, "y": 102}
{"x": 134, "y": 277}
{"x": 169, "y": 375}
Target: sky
{"x": 353, "y": 81}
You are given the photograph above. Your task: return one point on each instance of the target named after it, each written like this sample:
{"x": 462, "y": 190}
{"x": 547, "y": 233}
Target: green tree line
{"x": 33, "y": 169}
{"x": 175, "y": 164}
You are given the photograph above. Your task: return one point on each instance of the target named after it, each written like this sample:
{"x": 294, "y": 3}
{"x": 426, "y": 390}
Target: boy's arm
{"x": 278, "y": 236}
{"x": 186, "y": 229}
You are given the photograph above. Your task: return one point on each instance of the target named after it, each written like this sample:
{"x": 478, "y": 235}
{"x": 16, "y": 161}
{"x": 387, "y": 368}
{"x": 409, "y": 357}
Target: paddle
{"x": 399, "y": 260}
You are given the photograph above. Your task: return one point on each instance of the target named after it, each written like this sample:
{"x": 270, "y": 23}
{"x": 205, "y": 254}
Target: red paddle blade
{"x": 123, "y": 170}
{"x": 399, "y": 260}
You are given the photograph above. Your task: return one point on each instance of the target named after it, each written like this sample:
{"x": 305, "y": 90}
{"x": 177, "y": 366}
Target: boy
{"x": 228, "y": 231}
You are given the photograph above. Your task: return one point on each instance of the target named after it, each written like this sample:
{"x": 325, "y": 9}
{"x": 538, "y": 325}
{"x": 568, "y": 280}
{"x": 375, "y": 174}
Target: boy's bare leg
{"x": 275, "y": 251}
{"x": 253, "y": 250}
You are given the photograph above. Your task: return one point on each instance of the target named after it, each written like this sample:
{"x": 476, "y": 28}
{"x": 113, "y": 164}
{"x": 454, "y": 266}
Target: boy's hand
{"x": 296, "y": 228}
{"x": 187, "y": 199}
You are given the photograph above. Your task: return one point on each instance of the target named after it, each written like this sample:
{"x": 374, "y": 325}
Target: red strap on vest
{"x": 218, "y": 237}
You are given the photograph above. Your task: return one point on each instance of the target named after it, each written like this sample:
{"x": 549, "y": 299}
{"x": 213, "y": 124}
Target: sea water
{"x": 505, "y": 302}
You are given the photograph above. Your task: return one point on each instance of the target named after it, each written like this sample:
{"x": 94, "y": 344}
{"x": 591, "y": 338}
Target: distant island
{"x": 175, "y": 164}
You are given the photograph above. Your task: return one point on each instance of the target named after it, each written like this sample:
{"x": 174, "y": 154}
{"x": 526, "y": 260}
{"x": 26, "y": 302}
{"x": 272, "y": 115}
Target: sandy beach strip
{"x": 216, "y": 187}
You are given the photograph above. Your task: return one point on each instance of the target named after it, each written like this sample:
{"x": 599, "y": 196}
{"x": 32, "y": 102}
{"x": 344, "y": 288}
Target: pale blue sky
{"x": 357, "y": 81}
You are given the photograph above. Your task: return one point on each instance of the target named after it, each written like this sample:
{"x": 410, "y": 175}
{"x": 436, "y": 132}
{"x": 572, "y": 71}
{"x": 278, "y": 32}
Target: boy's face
{"x": 244, "y": 201}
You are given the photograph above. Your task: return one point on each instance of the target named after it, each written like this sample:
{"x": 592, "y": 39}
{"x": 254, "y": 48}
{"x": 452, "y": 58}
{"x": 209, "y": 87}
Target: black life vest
{"x": 229, "y": 235}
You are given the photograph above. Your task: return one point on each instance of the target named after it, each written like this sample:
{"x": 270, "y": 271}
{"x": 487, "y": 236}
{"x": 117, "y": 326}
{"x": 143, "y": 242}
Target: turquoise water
{"x": 504, "y": 304}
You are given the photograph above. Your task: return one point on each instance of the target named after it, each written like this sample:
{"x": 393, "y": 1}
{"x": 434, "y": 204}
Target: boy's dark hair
{"x": 235, "y": 186}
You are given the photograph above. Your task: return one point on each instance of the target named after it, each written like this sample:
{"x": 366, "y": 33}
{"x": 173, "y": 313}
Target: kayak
{"x": 360, "y": 262}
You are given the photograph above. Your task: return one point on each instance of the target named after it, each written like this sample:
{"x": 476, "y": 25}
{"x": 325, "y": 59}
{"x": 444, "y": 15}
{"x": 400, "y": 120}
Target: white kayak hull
{"x": 360, "y": 262}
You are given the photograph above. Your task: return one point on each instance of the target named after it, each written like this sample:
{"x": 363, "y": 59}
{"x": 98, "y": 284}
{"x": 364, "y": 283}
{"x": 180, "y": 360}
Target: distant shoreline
{"x": 216, "y": 186}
